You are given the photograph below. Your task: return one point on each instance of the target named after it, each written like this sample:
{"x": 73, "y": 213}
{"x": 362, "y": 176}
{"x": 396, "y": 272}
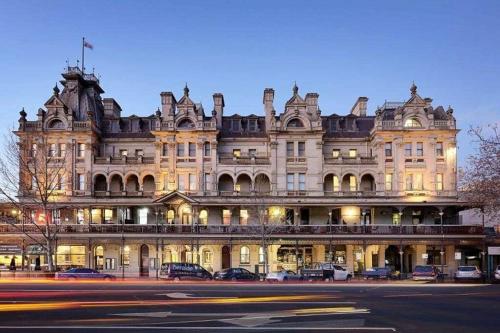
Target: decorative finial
{"x": 77, "y": 63}
{"x": 186, "y": 90}
{"x": 413, "y": 89}
{"x": 295, "y": 88}
{"x": 23, "y": 114}
{"x": 56, "y": 90}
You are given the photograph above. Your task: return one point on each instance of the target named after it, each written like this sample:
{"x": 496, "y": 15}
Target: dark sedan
{"x": 379, "y": 273}
{"x": 83, "y": 273}
{"x": 235, "y": 274}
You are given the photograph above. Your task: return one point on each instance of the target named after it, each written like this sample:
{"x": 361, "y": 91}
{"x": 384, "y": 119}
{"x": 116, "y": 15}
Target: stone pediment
{"x": 175, "y": 198}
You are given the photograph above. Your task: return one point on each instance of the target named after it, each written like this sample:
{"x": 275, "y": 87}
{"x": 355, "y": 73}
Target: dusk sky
{"x": 341, "y": 50}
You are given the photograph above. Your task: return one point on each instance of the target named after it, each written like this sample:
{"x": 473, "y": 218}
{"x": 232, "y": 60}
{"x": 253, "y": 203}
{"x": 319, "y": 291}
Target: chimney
{"x": 218, "y": 108}
{"x": 267, "y": 100}
{"x": 428, "y": 101}
{"x": 167, "y": 104}
{"x": 359, "y": 108}
{"x": 312, "y": 103}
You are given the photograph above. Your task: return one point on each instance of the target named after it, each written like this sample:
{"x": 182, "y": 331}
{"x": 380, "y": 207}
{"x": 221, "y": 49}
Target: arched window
{"x": 56, "y": 124}
{"x": 244, "y": 255}
{"x": 295, "y": 123}
{"x": 185, "y": 123}
{"x": 261, "y": 255}
{"x": 413, "y": 122}
{"x": 203, "y": 218}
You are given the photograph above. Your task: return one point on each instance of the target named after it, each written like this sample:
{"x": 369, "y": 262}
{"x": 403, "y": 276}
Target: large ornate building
{"x": 295, "y": 185}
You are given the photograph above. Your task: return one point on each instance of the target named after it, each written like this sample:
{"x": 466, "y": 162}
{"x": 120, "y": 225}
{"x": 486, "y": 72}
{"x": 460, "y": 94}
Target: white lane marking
{"x": 191, "y": 328}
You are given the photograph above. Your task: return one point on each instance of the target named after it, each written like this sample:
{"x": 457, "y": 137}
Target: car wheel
{"x": 285, "y": 279}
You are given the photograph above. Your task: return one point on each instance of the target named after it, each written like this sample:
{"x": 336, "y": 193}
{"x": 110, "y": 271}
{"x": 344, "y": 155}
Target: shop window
{"x": 110, "y": 264}
{"x": 434, "y": 257}
{"x": 207, "y": 257}
{"x": 244, "y": 255}
{"x": 71, "y": 256}
{"x": 126, "y": 256}
{"x": 170, "y": 216}
{"x": 261, "y": 255}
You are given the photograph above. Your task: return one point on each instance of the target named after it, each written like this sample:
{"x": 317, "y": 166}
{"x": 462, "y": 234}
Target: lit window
{"x": 302, "y": 149}
{"x": 352, "y": 183}
{"x": 236, "y": 153}
{"x": 335, "y": 153}
{"x": 289, "y": 182}
{"x": 396, "y": 219}
{"x": 123, "y": 152}
{"x": 414, "y": 181}
{"x": 243, "y": 216}
{"x": 439, "y": 182}
{"x": 336, "y": 184}
{"x": 203, "y": 217}
{"x": 52, "y": 150}
{"x": 81, "y": 181}
{"x": 439, "y": 149}
{"x": 81, "y": 150}
{"x": 289, "y": 149}
{"x": 126, "y": 256}
{"x": 420, "y": 149}
{"x": 408, "y": 149}
{"x": 226, "y": 217}
{"x": 388, "y": 181}
{"x": 170, "y": 216}
{"x": 412, "y": 123}
{"x": 244, "y": 255}
{"x": 353, "y": 153}
{"x": 388, "y": 149}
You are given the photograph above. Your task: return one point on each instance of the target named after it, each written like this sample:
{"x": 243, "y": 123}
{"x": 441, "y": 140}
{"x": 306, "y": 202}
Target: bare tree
{"x": 481, "y": 176}
{"x": 33, "y": 174}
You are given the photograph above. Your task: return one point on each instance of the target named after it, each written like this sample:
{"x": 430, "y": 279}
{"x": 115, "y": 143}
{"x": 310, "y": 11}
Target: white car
{"x": 468, "y": 273}
{"x": 497, "y": 273}
{"x": 283, "y": 275}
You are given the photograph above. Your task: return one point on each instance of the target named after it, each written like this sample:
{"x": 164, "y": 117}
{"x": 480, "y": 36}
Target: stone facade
{"x": 182, "y": 185}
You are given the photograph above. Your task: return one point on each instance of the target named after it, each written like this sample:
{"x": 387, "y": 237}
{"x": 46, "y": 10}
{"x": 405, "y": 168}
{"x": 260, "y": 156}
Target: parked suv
{"x": 496, "y": 274}
{"x": 468, "y": 273}
{"x": 184, "y": 271}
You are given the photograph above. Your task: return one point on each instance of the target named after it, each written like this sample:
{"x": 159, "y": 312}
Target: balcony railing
{"x": 230, "y": 159}
{"x": 117, "y": 160}
{"x": 218, "y": 229}
{"x": 360, "y": 159}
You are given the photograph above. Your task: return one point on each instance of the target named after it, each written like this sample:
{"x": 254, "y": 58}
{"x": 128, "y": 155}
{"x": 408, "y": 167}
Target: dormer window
{"x": 252, "y": 125}
{"x": 413, "y": 123}
{"x": 236, "y": 125}
{"x": 295, "y": 123}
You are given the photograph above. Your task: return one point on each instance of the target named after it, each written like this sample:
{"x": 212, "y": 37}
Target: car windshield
{"x": 423, "y": 269}
{"x": 466, "y": 268}
{"x": 72, "y": 270}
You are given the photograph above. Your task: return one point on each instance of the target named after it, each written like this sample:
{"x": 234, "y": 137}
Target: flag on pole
{"x": 88, "y": 45}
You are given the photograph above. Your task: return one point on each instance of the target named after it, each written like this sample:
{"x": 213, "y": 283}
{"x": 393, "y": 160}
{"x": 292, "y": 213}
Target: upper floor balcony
{"x": 242, "y": 159}
{"x": 349, "y": 160}
{"x": 124, "y": 160}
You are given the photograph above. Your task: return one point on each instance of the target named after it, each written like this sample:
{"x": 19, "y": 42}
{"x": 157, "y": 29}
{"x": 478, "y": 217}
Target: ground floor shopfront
{"x": 135, "y": 258}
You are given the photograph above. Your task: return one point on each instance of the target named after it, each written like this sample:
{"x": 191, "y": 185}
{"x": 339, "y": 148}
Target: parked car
{"x": 235, "y": 274}
{"x": 426, "y": 273}
{"x": 496, "y": 274}
{"x": 283, "y": 275}
{"x": 83, "y": 273}
{"x": 468, "y": 273}
{"x": 379, "y": 273}
{"x": 326, "y": 272}
{"x": 183, "y": 271}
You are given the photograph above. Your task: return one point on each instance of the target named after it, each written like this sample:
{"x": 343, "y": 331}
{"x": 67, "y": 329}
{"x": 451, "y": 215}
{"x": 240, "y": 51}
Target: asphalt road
{"x": 151, "y": 306}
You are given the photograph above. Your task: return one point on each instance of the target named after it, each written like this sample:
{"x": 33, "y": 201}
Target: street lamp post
{"x": 331, "y": 235}
{"x": 157, "y": 245}
{"x": 441, "y": 213}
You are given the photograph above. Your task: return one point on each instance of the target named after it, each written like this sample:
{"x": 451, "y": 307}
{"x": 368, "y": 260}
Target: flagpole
{"x": 83, "y": 55}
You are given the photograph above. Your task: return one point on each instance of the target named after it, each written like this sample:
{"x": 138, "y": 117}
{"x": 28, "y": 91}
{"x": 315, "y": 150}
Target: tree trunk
{"x": 50, "y": 252}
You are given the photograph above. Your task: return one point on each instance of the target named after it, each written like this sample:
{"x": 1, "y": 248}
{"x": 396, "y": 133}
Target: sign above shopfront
{"x": 494, "y": 250}
{"x": 9, "y": 249}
